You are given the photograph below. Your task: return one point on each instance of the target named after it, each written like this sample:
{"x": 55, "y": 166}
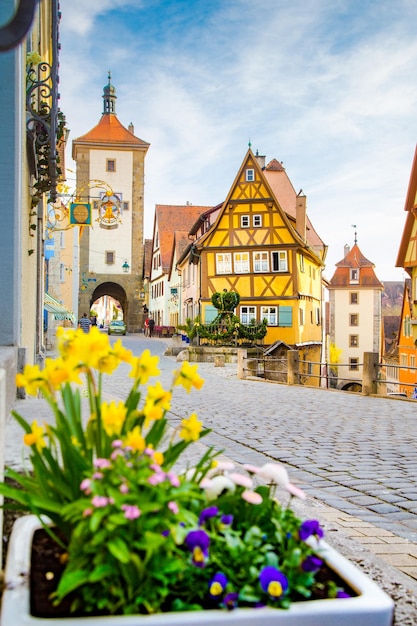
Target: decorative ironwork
{"x": 45, "y": 123}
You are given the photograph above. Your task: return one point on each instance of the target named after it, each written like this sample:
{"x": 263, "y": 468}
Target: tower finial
{"x": 249, "y": 143}
{"x": 109, "y": 76}
{"x": 355, "y": 234}
{"x": 109, "y": 97}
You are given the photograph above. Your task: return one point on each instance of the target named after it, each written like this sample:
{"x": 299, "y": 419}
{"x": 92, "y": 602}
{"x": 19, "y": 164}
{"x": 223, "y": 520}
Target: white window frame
{"x": 354, "y": 275}
{"x": 302, "y": 268}
{"x": 223, "y": 263}
{"x": 270, "y": 313}
{"x": 282, "y": 260}
{"x": 241, "y": 265}
{"x": 247, "y": 313}
{"x": 260, "y": 262}
{"x": 250, "y": 175}
{"x": 244, "y": 221}
{"x": 257, "y": 220}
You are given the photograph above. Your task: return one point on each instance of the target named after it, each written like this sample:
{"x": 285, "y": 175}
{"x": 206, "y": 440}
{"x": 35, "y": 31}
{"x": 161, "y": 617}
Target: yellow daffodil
{"x": 57, "y": 372}
{"x": 135, "y": 440}
{"x": 158, "y": 457}
{"x": 122, "y": 353}
{"x": 144, "y": 367}
{"x": 35, "y": 437}
{"x": 32, "y": 379}
{"x": 191, "y": 428}
{"x": 188, "y": 377}
{"x": 113, "y": 416}
{"x": 158, "y": 395}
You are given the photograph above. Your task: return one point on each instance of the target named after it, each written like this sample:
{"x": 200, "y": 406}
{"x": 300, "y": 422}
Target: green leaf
{"x": 119, "y": 549}
{"x": 71, "y": 581}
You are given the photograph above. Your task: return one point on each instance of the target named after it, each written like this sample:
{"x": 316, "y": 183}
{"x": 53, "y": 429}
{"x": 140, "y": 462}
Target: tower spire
{"x": 109, "y": 97}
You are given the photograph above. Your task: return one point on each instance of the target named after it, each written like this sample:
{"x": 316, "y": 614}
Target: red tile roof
{"x": 169, "y": 219}
{"x": 355, "y": 259}
{"x": 110, "y": 131}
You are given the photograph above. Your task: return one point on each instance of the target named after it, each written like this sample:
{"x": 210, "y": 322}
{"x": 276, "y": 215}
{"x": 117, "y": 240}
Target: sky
{"x": 327, "y": 87}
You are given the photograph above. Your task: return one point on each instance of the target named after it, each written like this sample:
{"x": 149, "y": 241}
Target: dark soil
{"x": 48, "y": 562}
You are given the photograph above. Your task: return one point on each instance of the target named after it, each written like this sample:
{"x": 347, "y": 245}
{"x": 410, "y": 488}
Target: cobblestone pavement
{"x": 355, "y": 456}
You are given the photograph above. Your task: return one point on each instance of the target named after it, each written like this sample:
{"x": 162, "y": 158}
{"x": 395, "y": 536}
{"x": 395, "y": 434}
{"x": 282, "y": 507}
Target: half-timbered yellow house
{"x": 263, "y": 246}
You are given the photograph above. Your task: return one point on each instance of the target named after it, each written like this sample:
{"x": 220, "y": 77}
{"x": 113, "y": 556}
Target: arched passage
{"x": 114, "y": 291}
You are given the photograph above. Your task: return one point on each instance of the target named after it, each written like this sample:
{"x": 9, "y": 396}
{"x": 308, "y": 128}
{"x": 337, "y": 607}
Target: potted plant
{"x": 140, "y": 536}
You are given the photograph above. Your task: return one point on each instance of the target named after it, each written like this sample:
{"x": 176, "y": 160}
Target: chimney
{"x": 131, "y": 128}
{"x": 300, "y": 214}
{"x": 347, "y": 250}
{"x": 261, "y": 160}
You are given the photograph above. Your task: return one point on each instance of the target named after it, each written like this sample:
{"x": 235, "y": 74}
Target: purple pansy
{"x": 217, "y": 585}
{"x": 273, "y": 582}
{"x": 308, "y": 528}
{"x": 198, "y": 541}
{"x": 227, "y": 520}
{"x": 311, "y": 564}
{"x": 342, "y": 594}
{"x": 210, "y": 511}
{"x": 230, "y": 600}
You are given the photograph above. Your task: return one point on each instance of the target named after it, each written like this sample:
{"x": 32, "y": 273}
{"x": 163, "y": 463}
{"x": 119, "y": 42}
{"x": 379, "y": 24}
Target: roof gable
{"x": 407, "y": 253}
{"x": 168, "y": 220}
{"x": 354, "y": 259}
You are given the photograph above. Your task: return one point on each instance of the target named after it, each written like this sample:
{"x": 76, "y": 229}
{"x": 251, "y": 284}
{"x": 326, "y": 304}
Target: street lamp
{"x": 125, "y": 267}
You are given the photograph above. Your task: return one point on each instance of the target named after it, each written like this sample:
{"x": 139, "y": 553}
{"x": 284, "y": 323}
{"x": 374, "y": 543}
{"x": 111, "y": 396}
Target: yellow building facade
{"x": 269, "y": 254}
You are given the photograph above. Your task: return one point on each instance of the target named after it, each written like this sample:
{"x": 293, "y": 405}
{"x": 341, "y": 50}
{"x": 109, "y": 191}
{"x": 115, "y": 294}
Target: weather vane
{"x": 356, "y": 239}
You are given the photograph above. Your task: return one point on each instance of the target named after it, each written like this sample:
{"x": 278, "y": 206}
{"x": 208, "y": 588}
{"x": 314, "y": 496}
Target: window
{"x": 354, "y": 319}
{"x": 412, "y": 361}
{"x": 279, "y": 261}
{"x": 301, "y": 316}
{"x": 62, "y": 273}
{"x": 250, "y": 175}
{"x": 285, "y": 316}
{"x": 353, "y": 341}
{"x": 247, "y": 314}
{"x": 269, "y": 313}
{"x": 110, "y": 165}
{"x": 125, "y": 206}
{"x": 260, "y": 262}
{"x": 353, "y": 364}
{"x": 318, "y": 317}
{"x": 109, "y": 257}
{"x": 403, "y": 360}
{"x": 354, "y": 275}
{"x": 407, "y": 326}
{"x": 224, "y": 263}
{"x": 241, "y": 262}
{"x": 62, "y": 240}
{"x": 354, "y": 297}
{"x": 302, "y": 269}
{"x": 257, "y": 221}
{"x": 244, "y": 221}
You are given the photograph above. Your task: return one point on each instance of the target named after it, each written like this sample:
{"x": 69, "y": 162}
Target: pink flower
{"x": 97, "y": 475}
{"x": 100, "y": 501}
{"x": 252, "y": 497}
{"x": 173, "y": 479}
{"x": 124, "y": 488}
{"x": 87, "y": 512}
{"x": 240, "y": 479}
{"x": 116, "y": 453}
{"x": 173, "y": 506}
{"x": 155, "y": 479}
{"x": 117, "y": 443}
{"x": 102, "y": 463}
{"x": 85, "y": 486}
{"x": 131, "y": 511}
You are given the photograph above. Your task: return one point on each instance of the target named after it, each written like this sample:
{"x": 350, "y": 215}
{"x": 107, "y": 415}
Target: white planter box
{"x": 372, "y": 607}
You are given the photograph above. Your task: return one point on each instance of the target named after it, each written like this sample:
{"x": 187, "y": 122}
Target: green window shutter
{"x": 210, "y": 313}
{"x": 285, "y": 316}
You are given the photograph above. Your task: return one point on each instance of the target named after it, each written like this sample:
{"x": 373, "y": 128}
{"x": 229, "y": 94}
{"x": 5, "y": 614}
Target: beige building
{"x": 110, "y": 178}
{"x": 355, "y": 315}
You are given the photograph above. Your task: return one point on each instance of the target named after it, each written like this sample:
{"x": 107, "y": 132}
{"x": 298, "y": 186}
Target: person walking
{"x": 151, "y": 324}
{"x": 146, "y": 326}
{"x": 84, "y": 323}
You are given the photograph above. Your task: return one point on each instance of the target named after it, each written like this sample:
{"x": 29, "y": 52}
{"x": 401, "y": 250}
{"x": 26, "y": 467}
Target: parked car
{"x": 116, "y": 327}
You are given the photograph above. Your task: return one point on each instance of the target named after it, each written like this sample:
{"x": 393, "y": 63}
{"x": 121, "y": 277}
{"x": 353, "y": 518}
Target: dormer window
{"x": 354, "y": 275}
{"x": 250, "y": 175}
